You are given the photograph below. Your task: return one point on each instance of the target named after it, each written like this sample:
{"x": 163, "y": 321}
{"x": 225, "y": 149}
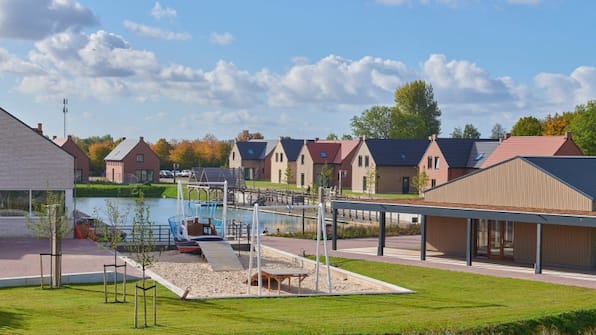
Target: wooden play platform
{"x": 280, "y": 275}
{"x": 220, "y": 256}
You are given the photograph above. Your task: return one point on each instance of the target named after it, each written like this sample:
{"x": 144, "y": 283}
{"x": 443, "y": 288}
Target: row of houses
{"x": 384, "y": 165}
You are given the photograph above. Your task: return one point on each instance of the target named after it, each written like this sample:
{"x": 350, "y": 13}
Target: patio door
{"x": 494, "y": 239}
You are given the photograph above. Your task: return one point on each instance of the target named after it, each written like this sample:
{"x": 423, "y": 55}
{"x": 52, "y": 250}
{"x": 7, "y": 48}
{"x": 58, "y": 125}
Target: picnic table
{"x": 282, "y": 274}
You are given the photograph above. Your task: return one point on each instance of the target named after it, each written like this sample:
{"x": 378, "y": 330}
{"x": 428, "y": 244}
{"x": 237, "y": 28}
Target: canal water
{"x": 162, "y": 209}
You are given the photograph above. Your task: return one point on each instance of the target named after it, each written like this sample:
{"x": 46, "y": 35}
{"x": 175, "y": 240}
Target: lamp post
{"x": 341, "y": 175}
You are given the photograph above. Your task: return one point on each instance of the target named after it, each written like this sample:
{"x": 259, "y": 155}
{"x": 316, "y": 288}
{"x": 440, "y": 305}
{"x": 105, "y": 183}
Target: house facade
{"x": 132, "y": 161}
{"x": 81, "y": 160}
{"x": 558, "y": 187}
{"x": 513, "y": 146}
{"x": 283, "y": 160}
{"x": 386, "y": 165}
{"x": 449, "y": 158}
{"x": 31, "y": 165}
{"x": 253, "y": 157}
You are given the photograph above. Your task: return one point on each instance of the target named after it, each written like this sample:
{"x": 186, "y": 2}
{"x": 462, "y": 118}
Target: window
{"x": 140, "y": 158}
{"x": 144, "y": 176}
{"x": 366, "y": 161}
{"x": 302, "y": 159}
{"x": 277, "y": 157}
{"x": 429, "y": 164}
{"x": 281, "y": 157}
{"x": 479, "y": 156}
{"x": 437, "y": 165}
{"x": 279, "y": 176}
{"x": 302, "y": 180}
{"x": 359, "y": 161}
{"x": 233, "y": 155}
{"x": 78, "y": 175}
{"x": 323, "y": 154}
{"x": 433, "y": 183}
{"x": 364, "y": 184}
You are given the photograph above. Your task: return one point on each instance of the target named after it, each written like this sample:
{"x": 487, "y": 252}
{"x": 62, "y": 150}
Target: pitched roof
{"x": 255, "y": 149}
{"x": 60, "y": 141}
{"x": 122, "y": 149}
{"x": 396, "y": 152}
{"x": 575, "y": 171}
{"x": 234, "y": 177}
{"x": 292, "y": 147}
{"x": 525, "y": 145}
{"x": 457, "y": 151}
{"x": 479, "y": 152}
{"x": 347, "y": 147}
{"x": 321, "y": 152}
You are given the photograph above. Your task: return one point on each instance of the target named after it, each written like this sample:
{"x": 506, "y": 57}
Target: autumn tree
{"x": 557, "y": 124}
{"x": 373, "y": 123}
{"x": 97, "y": 154}
{"x": 497, "y": 132}
{"x": 183, "y": 154}
{"x": 415, "y": 103}
{"x": 527, "y": 126}
{"x": 162, "y": 148}
{"x": 246, "y": 135}
{"x": 583, "y": 125}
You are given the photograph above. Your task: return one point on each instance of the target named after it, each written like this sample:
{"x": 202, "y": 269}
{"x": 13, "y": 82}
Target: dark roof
{"x": 251, "y": 150}
{"x": 292, "y": 148}
{"x": 234, "y": 177}
{"x": 398, "y": 152}
{"x": 575, "y": 171}
{"x": 480, "y": 151}
{"x": 457, "y": 150}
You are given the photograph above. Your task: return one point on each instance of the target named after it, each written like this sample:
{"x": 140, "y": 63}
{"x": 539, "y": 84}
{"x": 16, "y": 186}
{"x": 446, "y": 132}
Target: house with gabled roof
{"x": 326, "y": 163}
{"x": 132, "y": 161}
{"x": 555, "y": 188}
{"x": 513, "y": 146}
{"x": 448, "y": 158}
{"x": 31, "y": 165}
{"x": 283, "y": 160}
{"x": 386, "y": 165}
{"x": 253, "y": 157}
{"x": 81, "y": 160}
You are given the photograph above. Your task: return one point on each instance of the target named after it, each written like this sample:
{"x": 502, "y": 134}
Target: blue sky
{"x": 181, "y": 69}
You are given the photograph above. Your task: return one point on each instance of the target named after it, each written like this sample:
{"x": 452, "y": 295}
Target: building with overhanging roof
{"x": 31, "y": 165}
{"x": 132, "y": 161}
{"x": 386, "y": 165}
{"x": 81, "y": 160}
{"x": 283, "y": 160}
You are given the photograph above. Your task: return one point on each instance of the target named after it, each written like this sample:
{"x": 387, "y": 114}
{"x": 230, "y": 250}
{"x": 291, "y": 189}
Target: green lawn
{"x": 444, "y": 301}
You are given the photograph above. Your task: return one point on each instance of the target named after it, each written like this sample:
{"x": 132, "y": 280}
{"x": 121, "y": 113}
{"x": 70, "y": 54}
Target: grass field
{"x": 445, "y": 301}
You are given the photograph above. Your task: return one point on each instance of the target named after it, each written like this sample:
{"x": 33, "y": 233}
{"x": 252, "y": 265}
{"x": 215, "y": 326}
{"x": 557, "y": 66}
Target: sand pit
{"x": 180, "y": 272}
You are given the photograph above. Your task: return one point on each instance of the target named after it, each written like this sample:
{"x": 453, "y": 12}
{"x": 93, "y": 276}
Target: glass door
{"x": 481, "y": 238}
{"x": 495, "y": 239}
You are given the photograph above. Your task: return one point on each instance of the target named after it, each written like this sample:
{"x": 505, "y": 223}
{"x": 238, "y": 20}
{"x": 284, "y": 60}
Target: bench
{"x": 282, "y": 274}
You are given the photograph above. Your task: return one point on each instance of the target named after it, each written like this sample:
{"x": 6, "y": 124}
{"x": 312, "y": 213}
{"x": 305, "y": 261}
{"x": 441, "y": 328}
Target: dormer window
{"x": 479, "y": 156}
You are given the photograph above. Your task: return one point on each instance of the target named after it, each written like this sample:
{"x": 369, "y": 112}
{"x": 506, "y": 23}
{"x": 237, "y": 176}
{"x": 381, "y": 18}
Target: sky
{"x": 180, "y": 69}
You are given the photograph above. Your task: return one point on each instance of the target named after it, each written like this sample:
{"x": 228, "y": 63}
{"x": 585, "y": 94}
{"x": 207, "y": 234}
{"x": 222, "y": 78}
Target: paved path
{"x": 405, "y": 250}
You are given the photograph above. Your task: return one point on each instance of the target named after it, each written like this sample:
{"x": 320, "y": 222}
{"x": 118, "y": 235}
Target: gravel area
{"x": 191, "y": 272}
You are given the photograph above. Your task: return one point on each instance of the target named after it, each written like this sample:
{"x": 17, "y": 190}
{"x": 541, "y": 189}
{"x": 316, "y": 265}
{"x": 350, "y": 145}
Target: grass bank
{"x": 445, "y": 301}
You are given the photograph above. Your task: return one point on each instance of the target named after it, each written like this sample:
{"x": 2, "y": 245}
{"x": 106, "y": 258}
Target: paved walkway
{"x": 405, "y": 250}
{"x": 20, "y": 258}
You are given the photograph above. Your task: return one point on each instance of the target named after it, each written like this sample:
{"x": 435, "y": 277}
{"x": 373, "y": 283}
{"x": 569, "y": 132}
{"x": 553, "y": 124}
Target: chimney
{"x": 141, "y": 139}
{"x": 69, "y": 137}
{"x": 507, "y": 135}
{"x": 39, "y": 129}
{"x": 316, "y": 139}
{"x": 568, "y": 135}
{"x": 54, "y": 137}
{"x": 433, "y": 137}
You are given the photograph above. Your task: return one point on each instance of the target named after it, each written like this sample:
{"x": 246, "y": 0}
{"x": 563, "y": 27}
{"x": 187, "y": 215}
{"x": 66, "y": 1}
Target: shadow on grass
{"x": 11, "y": 321}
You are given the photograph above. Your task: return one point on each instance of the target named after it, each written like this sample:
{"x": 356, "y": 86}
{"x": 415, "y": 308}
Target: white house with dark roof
{"x": 31, "y": 165}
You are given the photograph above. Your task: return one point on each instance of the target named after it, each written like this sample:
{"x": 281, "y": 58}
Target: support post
{"x": 469, "y": 242}
{"x": 423, "y": 237}
{"x": 334, "y": 227}
{"x": 381, "y": 234}
{"x": 538, "y": 265}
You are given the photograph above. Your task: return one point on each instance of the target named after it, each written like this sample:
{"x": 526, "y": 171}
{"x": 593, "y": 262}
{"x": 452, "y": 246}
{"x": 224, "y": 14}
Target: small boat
{"x": 202, "y": 225}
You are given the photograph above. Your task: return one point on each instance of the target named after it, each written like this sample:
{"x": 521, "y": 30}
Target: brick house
{"x": 283, "y": 158}
{"x": 335, "y": 156}
{"x": 253, "y": 157}
{"x": 81, "y": 160}
{"x": 132, "y": 161}
{"x": 31, "y": 165}
{"x": 448, "y": 158}
{"x": 386, "y": 165}
{"x": 513, "y": 146}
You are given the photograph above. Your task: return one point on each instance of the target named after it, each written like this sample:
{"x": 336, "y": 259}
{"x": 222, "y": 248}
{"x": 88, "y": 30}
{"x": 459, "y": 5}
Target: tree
{"x": 331, "y": 137}
{"x": 470, "y": 131}
{"x": 371, "y": 181}
{"x": 245, "y": 135}
{"x": 527, "y": 126}
{"x": 183, "y": 154}
{"x": 420, "y": 181}
{"x": 407, "y": 125}
{"x": 97, "y": 154}
{"x": 288, "y": 177}
{"x": 557, "y": 124}
{"x": 162, "y": 148}
{"x": 497, "y": 132}
{"x": 373, "y": 123}
{"x": 417, "y": 98}
{"x": 326, "y": 173}
{"x": 583, "y": 125}
{"x": 457, "y": 133}
{"x": 346, "y": 137}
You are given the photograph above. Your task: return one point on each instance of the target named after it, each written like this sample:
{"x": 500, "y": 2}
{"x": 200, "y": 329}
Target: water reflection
{"x": 162, "y": 209}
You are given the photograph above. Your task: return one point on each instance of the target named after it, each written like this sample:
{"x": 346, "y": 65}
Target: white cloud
{"x": 36, "y": 19}
{"x": 158, "y": 12}
{"x": 559, "y": 89}
{"x": 221, "y": 39}
{"x": 154, "y": 32}
{"x": 14, "y": 65}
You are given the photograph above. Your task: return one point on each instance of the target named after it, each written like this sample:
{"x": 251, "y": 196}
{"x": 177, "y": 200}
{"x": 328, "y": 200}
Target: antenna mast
{"x": 64, "y": 111}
